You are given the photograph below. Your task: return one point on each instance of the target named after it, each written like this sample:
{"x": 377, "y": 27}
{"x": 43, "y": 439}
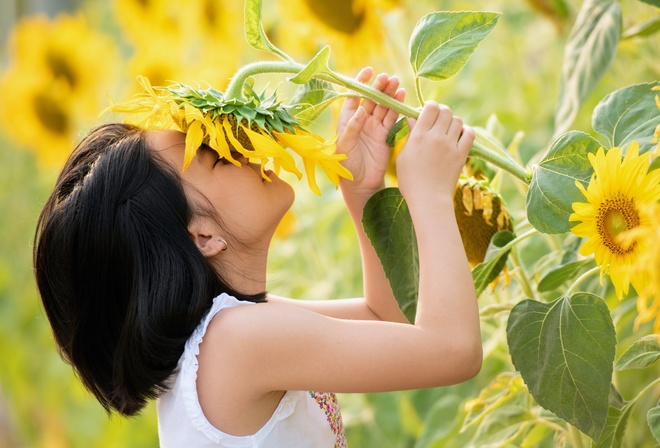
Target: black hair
{"x": 122, "y": 282}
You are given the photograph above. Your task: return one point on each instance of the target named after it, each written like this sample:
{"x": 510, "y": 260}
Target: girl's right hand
{"x": 431, "y": 161}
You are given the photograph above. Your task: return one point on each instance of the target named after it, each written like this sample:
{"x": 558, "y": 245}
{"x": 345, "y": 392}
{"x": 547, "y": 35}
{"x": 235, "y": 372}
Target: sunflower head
{"x": 619, "y": 191}
{"x": 647, "y": 266}
{"x": 258, "y": 128}
{"x": 480, "y": 214}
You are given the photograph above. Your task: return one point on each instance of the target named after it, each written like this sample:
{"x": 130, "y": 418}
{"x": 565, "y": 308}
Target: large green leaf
{"x": 628, "y": 114}
{"x": 653, "y": 418}
{"x": 588, "y": 53}
{"x": 494, "y": 261}
{"x": 442, "y": 42}
{"x": 254, "y": 30}
{"x": 388, "y": 225}
{"x": 641, "y": 354}
{"x": 553, "y": 191}
{"x": 564, "y": 351}
{"x": 652, "y": 2}
{"x": 311, "y": 99}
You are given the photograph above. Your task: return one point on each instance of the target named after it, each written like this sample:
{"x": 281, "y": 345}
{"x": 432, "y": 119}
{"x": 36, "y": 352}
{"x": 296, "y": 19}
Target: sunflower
{"x": 480, "y": 214}
{"x": 53, "y": 82}
{"x": 617, "y": 195}
{"x": 353, "y": 28}
{"x": 259, "y": 128}
{"x": 647, "y": 266}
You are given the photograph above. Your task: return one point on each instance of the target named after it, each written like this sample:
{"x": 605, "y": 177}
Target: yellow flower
{"x": 647, "y": 266}
{"x": 618, "y": 192}
{"x": 259, "y": 129}
{"x": 353, "y": 28}
{"x": 54, "y": 83}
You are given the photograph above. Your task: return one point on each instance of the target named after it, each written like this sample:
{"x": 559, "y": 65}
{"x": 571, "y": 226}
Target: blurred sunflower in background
{"x": 619, "y": 192}
{"x": 355, "y": 29}
{"x": 201, "y": 42}
{"x": 54, "y": 83}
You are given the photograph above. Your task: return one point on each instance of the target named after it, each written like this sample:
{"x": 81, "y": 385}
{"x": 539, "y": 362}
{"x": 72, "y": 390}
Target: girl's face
{"x": 249, "y": 206}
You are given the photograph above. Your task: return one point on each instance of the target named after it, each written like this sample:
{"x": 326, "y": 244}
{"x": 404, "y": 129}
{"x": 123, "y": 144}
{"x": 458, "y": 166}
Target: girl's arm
{"x": 270, "y": 347}
{"x": 362, "y": 130}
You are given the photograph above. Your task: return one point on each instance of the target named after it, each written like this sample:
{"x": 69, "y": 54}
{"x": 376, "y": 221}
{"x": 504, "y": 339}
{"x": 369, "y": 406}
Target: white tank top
{"x": 302, "y": 419}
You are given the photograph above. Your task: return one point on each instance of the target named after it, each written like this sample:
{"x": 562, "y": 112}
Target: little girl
{"x": 153, "y": 279}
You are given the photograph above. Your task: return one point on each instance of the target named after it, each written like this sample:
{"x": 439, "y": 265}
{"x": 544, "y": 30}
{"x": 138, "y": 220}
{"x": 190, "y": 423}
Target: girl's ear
{"x": 208, "y": 241}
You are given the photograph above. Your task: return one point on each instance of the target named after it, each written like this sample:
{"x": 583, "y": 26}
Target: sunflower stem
{"x": 521, "y": 275}
{"x": 579, "y": 280}
{"x": 418, "y": 91}
{"x": 479, "y": 149}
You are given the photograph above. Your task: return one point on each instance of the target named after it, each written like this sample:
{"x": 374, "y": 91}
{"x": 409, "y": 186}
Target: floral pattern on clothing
{"x": 328, "y": 403}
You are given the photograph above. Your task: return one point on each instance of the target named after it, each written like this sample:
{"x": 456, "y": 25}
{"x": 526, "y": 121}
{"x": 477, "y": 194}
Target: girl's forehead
{"x": 168, "y": 144}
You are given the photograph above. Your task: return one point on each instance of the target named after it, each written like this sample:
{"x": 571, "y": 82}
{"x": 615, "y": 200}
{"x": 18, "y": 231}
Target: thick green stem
{"x": 479, "y": 150}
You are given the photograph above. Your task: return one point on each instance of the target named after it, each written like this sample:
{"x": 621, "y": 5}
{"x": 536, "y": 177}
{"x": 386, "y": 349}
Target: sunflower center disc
{"x": 616, "y": 216}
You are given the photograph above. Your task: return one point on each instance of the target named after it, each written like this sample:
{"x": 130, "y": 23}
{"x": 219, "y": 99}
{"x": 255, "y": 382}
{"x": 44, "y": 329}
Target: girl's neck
{"x": 244, "y": 269}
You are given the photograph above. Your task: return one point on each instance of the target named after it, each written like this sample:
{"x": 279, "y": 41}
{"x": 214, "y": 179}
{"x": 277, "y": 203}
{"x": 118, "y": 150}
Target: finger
{"x": 428, "y": 116}
{"x": 390, "y": 89}
{"x": 353, "y": 129}
{"x": 466, "y": 139}
{"x": 379, "y": 84}
{"x": 445, "y": 117}
{"x": 392, "y": 115}
{"x": 455, "y": 128}
{"x": 352, "y": 103}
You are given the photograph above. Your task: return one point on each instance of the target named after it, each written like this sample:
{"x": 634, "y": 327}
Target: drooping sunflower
{"x": 480, "y": 214}
{"x": 353, "y": 28}
{"x": 258, "y": 128}
{"x": 618, "y": 193}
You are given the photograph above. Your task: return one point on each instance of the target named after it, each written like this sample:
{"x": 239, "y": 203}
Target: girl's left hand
{"x": 363, "y": 130}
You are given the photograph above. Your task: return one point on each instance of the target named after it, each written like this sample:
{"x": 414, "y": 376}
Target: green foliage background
{"x": 514, "y": 75}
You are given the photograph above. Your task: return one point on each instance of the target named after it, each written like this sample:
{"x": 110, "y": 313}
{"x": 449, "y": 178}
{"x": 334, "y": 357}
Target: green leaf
{"x": 564, "y": 351}
{"x": 254, "y": 30}
{"x": 641, "y": 354}
{"x": 312, "y": 98}
{"x": 615, "y": 427}
{"x": 653, "y": 418}
{"x": 388, "y": 225}
{"x": 552, "y": 190}
{"x": 628, "y": 114}
{"x": 588, "y": 53}
{"x": 558, "y": 276}
{"x": 494, "y": 261}
{"x": 442, "y": 42}
{"x": 644, "y": 29}
{"x": 318, "y": 64}
{"x": 655, "y": 3}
